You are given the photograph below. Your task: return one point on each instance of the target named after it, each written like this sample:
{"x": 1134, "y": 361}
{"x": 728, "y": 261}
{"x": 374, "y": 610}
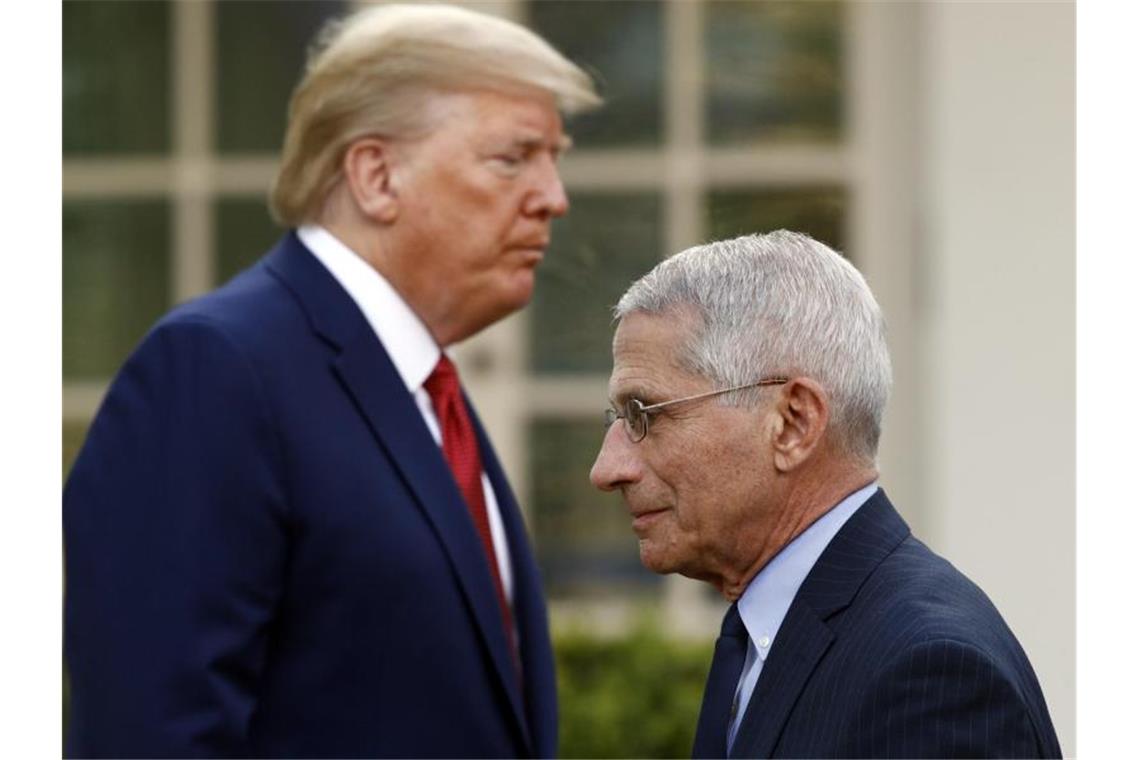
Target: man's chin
{"x": 653, "y": 560}
{"x": 493, "y": 311}
{"x": 522, "y": 287}
{"x": 663, "y": 563}
{"x": 515, "y": 293}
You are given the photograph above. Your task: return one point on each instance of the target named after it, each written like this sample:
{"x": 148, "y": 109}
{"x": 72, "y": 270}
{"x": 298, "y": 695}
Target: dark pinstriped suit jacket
{"x": 888, "y": 651}
{"x": 267, "y": 555}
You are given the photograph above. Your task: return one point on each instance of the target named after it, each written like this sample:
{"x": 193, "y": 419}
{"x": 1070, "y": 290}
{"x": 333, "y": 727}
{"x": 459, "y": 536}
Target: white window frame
{"x": 874, "y": 162}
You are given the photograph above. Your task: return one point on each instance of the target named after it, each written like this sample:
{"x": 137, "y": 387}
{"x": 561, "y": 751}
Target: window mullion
{"x": 192, "y": 93}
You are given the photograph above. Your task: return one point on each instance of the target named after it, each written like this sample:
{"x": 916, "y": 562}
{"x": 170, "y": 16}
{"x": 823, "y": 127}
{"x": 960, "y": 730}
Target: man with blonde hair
{"x": 287, "y": 533}
{"x": 749, "y": 384}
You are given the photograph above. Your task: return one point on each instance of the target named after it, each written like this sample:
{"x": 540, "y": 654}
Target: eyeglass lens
{"x": 632, "y": 416}
{"x": 636, "y": 420}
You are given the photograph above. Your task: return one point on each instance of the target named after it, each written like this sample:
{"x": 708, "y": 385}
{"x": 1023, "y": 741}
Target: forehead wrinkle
{"x": 644, "y": 382}
{"x": 646, "y": 361}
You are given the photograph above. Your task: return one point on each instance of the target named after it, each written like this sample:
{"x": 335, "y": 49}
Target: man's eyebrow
{"x": 561, "y": 145}
{"x": 638, "y": 392}
{"x": 618, "y": 398}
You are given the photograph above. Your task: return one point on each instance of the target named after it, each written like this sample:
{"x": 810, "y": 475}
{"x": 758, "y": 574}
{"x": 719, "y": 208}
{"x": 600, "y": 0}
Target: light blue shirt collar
{"x": 769, "y": 595}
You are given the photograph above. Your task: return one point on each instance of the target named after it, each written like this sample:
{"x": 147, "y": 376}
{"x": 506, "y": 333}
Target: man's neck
{"x": 367, "y": 242}
{"x": 805, "y": 502}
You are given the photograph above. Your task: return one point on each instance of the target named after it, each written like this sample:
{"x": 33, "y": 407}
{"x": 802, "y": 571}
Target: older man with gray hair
{"x": 750, "y": 379}
{"x": 287, "y": 534}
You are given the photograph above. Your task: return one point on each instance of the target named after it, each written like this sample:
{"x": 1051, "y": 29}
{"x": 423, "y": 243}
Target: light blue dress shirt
{"x": 769, "y": 595}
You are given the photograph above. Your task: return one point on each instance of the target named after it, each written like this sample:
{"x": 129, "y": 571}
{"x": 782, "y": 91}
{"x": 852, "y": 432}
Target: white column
{"x": 882, "y": 92}
{"x": 999, "y": 360}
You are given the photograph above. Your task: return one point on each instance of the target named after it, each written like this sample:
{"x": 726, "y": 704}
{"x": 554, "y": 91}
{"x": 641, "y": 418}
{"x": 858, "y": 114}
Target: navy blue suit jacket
{"x": 266, "y": 553}
{"x": 888, "y": 651}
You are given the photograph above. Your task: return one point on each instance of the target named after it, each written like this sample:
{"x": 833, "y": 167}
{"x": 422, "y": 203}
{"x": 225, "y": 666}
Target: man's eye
{"x": 509, "y": 160}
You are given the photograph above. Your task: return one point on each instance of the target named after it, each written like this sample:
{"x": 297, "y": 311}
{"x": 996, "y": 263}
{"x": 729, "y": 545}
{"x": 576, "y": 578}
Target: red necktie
{"x": 461, "y": 451}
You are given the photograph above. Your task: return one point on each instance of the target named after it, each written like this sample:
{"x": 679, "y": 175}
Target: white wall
{"x": 997, "y": 313}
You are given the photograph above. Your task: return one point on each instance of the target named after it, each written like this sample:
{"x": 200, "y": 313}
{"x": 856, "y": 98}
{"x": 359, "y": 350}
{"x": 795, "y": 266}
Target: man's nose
{"x": 549, "y": 196}
{"x": 617, "y": 463}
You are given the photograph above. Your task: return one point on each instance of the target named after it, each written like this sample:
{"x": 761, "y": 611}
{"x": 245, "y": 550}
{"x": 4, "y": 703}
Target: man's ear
{"x": 368, "y": 172}
{"x": 803, "y": 411}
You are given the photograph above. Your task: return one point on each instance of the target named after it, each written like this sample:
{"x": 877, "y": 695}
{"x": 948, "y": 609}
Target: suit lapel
{"x": 529, "y": 607}
{"x": 371, "y": 380}
{"x": 803, "y": 640}
{"x": 873, "y": 532}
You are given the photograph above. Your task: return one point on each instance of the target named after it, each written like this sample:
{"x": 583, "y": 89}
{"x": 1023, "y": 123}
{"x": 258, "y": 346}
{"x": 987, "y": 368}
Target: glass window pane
{"x": 116, "y": 71}
{"x": 261, "y": 48}
{"x": 818, "y": 211}
{"x": 774, "y": 71}
{"x": 583, "y": 536}
{"x": 245, "y": 233}
{"x": 620, "y": 44}
{"x": 116, "y": 275}
{"x": 607, "y": 241}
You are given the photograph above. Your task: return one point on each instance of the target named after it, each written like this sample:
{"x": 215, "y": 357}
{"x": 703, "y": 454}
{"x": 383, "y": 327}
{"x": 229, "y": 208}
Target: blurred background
{"x": 932, "y": 143}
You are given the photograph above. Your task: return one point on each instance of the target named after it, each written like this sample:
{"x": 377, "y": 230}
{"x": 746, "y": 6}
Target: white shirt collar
{"x": 766, "y": 601}
{"x": 406, "y": 339}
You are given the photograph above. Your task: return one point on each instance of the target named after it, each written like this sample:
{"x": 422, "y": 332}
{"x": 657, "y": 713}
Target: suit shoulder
{"x": 245, "y": 331}
{"x": 930, "y": 587}
{"x": 915, "y": 596}
{"x": 254, "y": 312}
{"x": 249, "y": 302}
{"x": 927, "y": 628}
{"x": 924, "y": 604}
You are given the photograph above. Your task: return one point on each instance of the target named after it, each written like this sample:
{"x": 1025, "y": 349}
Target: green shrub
{"x": 636, "y": 696}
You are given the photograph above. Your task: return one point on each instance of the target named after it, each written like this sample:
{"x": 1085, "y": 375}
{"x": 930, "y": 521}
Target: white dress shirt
{"x": 410, "y": 346}
{"x": 768, "y": 596}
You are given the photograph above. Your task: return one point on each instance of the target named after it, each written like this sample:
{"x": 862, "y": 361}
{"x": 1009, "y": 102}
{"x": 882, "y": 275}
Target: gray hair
{"x": 376, "y": 72}
{"x": 780, "y": 304}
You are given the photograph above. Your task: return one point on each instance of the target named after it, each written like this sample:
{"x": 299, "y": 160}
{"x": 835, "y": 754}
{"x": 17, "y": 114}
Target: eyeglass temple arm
{"x": 766, "y": 381}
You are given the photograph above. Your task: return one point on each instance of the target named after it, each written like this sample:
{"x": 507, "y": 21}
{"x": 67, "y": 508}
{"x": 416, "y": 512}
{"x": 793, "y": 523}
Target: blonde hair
{"x": 375, "y": 71}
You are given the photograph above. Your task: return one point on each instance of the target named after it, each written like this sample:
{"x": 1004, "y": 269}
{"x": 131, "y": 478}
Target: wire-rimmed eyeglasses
{"x": 636, "y": 414}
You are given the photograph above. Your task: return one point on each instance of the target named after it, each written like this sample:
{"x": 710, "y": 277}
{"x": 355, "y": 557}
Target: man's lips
{"x": 644, "y": 519}
{"x": 532, "y": 252}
